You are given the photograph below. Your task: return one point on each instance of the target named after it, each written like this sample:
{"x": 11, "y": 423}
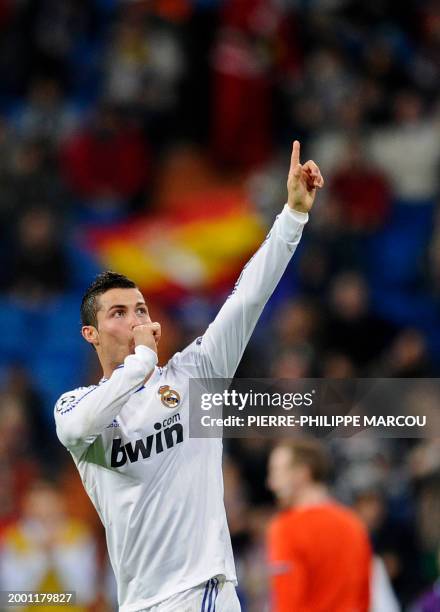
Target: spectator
{"x": 393, "y": 542}
{"x": 360, "y": 193}
{"x": 36, "y": 440}
{"x": 45, "y": 551}
{"x": 243, "y": 63}
{"x": 424, "y": 464}
{"x": 382, "y": 594}
{"x": 145, "y": 65}
{"x": 350, "y": 326}
{"x": 296, "y": 324}
{"x": 430, "y": 600}
{"x": 107, "y": 164}
{"x": 337, "y": 365}
{"x": 407, "y": 356}
{"x": 28, "y": 181}
{"x": 38, "y": 267}
{"x": 292, "y": 364}
{"x": 18, "y": 467}
{"x": 409, "y": 150}
{"x": 45, "y": 115}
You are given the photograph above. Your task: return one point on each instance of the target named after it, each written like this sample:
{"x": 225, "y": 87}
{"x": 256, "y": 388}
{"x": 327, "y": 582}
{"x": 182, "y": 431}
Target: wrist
{"x": 298, "y": 215}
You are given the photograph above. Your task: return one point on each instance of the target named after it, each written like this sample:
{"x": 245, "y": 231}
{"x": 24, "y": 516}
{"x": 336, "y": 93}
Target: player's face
{"x": 284, "y": 477}
{"x": 120, "y": 310}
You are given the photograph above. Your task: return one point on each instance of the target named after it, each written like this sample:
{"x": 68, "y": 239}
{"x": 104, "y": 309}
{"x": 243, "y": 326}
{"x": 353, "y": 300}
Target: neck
{"x": 108, "y": 371}
{"x": 108, "y": 368}
{"x": 312, "y": 494}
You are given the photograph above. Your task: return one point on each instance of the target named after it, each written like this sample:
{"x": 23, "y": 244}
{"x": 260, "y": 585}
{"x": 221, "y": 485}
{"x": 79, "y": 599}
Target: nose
{"x": 137, "y": 319}
{"x": 134, "y": 320}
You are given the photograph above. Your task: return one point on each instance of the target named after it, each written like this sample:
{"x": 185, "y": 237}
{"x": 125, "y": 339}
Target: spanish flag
{"x": 199, "y": 245}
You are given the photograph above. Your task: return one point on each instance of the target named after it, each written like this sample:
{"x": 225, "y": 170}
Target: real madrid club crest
{"x": 169, "y": 397}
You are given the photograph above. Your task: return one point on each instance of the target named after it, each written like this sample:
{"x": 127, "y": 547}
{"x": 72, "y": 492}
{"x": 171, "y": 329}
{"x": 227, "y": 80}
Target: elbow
{"x": 71, "y": 435}
{"x": 67, "y": 438}
{"x": 251, "y": 303}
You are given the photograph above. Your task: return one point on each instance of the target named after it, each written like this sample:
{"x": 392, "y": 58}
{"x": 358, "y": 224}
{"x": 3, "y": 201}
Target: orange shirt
{"x": 320, "y": 560}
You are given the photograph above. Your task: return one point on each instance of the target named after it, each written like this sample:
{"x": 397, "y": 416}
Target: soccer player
{"x": 319, "y": 551}
{"x": 158, "y": 492}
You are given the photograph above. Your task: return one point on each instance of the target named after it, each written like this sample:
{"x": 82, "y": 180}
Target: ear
{"x": 305, "y": 473}
{"x": 90, "y": 334}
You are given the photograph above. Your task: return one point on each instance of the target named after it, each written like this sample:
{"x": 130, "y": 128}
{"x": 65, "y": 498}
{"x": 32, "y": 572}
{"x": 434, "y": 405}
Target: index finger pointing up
{"x": 294, "y": 160}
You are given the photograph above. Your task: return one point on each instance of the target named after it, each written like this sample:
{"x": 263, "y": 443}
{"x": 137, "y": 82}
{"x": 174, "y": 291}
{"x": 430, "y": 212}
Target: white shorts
{"x": 215, "y": 595}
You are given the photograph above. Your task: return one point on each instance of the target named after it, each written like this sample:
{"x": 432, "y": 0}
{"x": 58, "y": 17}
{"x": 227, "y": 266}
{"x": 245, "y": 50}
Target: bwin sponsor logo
{"x": 155, "y": 443}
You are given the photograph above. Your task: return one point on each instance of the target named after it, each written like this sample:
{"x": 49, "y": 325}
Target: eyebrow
{"x": 125, "y": 306}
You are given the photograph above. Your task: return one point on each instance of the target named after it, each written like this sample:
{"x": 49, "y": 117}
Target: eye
{"x": 118, "y": 313}
{"x": 141, "y": 310}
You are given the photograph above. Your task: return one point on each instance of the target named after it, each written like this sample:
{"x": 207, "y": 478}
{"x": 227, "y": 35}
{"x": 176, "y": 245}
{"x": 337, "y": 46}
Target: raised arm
{"x": 83, "y": 414}
{"x": 223, "y": 344}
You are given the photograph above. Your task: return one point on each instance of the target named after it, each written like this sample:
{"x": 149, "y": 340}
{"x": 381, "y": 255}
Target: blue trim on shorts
{"x": 216, "y": 593}
{"x": 204, "y": 596}
{"x": 210, "y": 595}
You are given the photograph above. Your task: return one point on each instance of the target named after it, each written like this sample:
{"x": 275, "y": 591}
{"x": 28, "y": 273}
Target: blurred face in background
{"x": 36, "y": 230}
{"x": 292, "y": 365}
{"x": 408, "y": 107}
{"x": 349, "y": 296}
{"x": 44, "y": 515}
{"x": 371, "y": 508}
{"x": 285, "y": 477}
{"x": 296, "y": 323}
{"x": 15, "y": 426}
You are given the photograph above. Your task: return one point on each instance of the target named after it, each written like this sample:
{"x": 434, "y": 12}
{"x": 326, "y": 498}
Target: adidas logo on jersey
{"x": 168, "y": 433}
{"x": 114, "y": 423}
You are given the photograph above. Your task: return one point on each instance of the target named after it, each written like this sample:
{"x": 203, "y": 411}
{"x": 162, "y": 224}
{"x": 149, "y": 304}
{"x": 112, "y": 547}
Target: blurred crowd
{"x": 105, "y": 105}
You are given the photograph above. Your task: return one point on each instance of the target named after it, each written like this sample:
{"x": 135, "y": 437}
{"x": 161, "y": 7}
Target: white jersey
{"x": 158, "y": 492}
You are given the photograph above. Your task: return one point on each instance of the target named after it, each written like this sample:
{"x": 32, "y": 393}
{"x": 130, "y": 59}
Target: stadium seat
{"x": 394, "y": 256}
{"x": 14, "y": 332}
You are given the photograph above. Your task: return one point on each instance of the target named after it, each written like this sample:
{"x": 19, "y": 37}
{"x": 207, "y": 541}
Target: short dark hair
{"x": 102, "y": 283}
{"x": 311, "y": 453}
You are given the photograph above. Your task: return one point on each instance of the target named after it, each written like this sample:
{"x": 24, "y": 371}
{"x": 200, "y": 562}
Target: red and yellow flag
{"x": 199, "y": 247}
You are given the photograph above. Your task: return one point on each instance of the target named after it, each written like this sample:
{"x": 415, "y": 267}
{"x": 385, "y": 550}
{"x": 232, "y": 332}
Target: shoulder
{"x": 345, "y": 513}
{"x": 348, "y": 520}
{"x": 296, "y": 523}
{"x": 70, "y": 399}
